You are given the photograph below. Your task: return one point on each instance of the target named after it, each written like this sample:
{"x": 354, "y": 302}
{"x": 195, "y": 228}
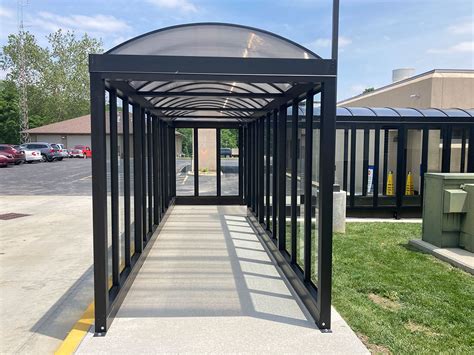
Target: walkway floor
{"x": 208, "y": 285}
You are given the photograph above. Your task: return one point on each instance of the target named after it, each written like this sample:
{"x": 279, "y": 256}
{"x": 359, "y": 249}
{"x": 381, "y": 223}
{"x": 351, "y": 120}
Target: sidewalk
{"x": 208, "y": 285}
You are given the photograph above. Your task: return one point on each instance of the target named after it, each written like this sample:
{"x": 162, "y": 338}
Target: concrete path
{"x": 208, "y": 285}
{"x": 46, "y": 279}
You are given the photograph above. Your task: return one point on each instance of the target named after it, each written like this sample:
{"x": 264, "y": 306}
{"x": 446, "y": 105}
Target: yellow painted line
{"x": 77, "y": 333}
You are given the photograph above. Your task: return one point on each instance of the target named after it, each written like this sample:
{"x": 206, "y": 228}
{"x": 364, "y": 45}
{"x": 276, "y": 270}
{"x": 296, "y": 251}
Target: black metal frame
{"x": 377, "y": 203}
{"x": 154, "y": 123}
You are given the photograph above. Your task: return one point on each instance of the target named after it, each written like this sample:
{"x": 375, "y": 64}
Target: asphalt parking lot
{"x": 70, "y": 177}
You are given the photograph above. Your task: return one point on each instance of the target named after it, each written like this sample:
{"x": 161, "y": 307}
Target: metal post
{"x": 275, "y": 174}
{"x": 365, "y": 162}
{"x": 376, "y": 173}
{"x": 137, "y": 177}
{"x": 261, "y": 192}
{"x": 114, "y": 188}
{"x": 156, "y": 172}
{"x": 346, "y": 159}
{"x": 150, "y": 172}
{"x": 99, "y": 202}
{"x": 144, "y": 175}
{"x": 424, "y": 160}
{"x": 446, "y": 154}
{"x": 173, "y": 161}
{"x": 294, "y": 177}
{"x": 353, "y": 167}
{"x": 196, "y": 162}
{"x": 218, "y": 161}
{"x": 282, "y": 118}
{"x": 267, "y": 171}
{"x": 308, "y": 172}
{"x": 462, "y": 164}
{"x": 241, "y": 159}
{"x": 126, "y": 177}
{"x": 401, "y": 170}
{"x": 326, "y": 182}
{"x": 470, "y": 151}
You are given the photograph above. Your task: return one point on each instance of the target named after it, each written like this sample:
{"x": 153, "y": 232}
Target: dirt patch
{"x": 373, "y": 348}
{"x": 384, "y": 302}
{"x": 415, "y": 327}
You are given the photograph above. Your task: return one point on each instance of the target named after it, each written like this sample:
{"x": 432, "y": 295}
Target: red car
{"x": 86, "y": 150}
{"x": 6, "y": 159}
{"x": 18, "y": 155}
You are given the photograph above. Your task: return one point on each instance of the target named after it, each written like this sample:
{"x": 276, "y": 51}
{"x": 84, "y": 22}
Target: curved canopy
{"x": 214, "y": 40}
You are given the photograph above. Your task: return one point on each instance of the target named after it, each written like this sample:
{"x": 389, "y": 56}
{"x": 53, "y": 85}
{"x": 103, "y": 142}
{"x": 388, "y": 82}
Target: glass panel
{"x": 453, "y": 112}
{"x": 145, "y": 177}
{"x": 361, "y": 111}
{"x": 342, "y": 111}
{"x": 121, "y": 188}
{"x": 315, "y": 204}
{"x": 229, "y": 151}
{"x": 288, "y": 161}
{"x": 359, "y": 166}
{"x": 213, "y": 40}
{"x": 132, "y": 190}
{"x": 413, "y": 168}
{"x": 431, "y": 112}
{"x": 109, "y": 199}
{"x": 300, "y": 192}
{"x": 271, "y": 137}
{"x": 385, "y": 112}
{"x": 435, "y": 148}
{"x": 339, "y": 175}
{"x": 456, "y": 150}
{"x": 184, "y": 162}
{"x": 389, "y": 139}
{"x": 207, "y": 162}
{"x": 408, "y": 112}
{"x": 265, "y": 165}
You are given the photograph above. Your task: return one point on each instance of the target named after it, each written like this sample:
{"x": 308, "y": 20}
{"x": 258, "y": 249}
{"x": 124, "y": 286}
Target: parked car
{"x": 76, "y": 153}
{"x": 6, "y": 159}
{"x": 49, "y": 152}
{"x": 18, "y": 155}
{"x": 86, "y": 150}
{"x": 226, "y": 152}
{"x": 58, "y": 150}
{"x": 62, "y": 150}
{"x": 32, "y": 155}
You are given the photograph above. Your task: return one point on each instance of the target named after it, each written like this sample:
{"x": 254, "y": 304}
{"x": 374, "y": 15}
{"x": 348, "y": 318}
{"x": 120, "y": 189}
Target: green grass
{"x": 398, "y": 299}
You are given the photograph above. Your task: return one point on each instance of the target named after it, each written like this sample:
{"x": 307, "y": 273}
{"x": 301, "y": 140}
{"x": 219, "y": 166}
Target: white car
{"x": 32, "y": 155}
{"x": 63, "y": 151}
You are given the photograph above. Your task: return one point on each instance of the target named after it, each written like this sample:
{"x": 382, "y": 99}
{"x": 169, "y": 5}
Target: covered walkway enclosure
{"x": 213, "y": 76}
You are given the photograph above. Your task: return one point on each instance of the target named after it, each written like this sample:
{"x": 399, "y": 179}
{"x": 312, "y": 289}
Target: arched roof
{"x": 214, "y": 40}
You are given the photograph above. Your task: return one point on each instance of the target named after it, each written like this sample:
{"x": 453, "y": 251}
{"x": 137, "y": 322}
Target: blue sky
{"x": 376, "y": 36}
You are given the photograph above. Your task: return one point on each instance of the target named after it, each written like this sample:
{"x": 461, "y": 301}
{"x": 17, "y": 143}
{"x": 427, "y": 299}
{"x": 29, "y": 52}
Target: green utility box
{"x": 448, "y": 210}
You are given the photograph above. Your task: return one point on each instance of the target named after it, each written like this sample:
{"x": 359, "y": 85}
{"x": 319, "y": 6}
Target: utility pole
{"x": 22, "y": 77}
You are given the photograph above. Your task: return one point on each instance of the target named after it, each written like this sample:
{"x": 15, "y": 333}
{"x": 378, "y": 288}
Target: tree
{"x": 229, "y": 138}
{"x": 57, "y": 75}
{"x": 9, "y": 115}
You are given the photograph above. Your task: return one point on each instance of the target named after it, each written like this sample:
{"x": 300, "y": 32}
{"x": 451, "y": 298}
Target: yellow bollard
{"x": 409, "y": 189}
{"x": 389, "y": 191}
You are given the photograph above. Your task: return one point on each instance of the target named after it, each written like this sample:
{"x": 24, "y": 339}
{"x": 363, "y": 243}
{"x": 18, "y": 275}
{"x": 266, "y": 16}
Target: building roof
{"x": 422, "y": 76}
{"x": 78, "y": 125}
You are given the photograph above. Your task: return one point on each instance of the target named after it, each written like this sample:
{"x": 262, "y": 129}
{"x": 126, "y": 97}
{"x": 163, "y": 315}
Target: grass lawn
{"x": 398, "y": 299}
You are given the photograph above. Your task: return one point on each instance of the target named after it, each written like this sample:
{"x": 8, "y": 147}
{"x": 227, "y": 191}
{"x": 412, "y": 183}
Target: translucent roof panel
{"x": 454, "y": 112}
{"x": 432, "y": 112}
{"x": 214, "y": 40}
{"x": 361, "y": 111}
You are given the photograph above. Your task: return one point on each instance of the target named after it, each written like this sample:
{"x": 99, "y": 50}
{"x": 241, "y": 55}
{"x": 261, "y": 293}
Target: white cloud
{"x": 461, "y": 47}
{"x": 462, "y": 28}
{"x": 326, "y": 42}
{"x": 4, "y": 12}
{"x": 180, "y": 5}
{"x": 92, "y": 24}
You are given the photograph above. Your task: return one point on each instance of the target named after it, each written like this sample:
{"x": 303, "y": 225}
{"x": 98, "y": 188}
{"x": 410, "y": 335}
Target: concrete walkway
{"x": 208, "y": 285}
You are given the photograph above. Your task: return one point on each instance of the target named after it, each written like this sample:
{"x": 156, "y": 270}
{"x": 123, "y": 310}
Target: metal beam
{"x": 208, "y": 108}
{"x": 257, "y": 70}
{"x": 209, "y": 94}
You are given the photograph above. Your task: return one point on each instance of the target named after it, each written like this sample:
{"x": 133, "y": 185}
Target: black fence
{"x": 382, "y": 155}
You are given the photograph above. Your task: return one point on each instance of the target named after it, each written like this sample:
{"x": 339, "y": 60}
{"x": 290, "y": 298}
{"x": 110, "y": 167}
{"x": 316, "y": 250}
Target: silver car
{"x": 62, "y": 150}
